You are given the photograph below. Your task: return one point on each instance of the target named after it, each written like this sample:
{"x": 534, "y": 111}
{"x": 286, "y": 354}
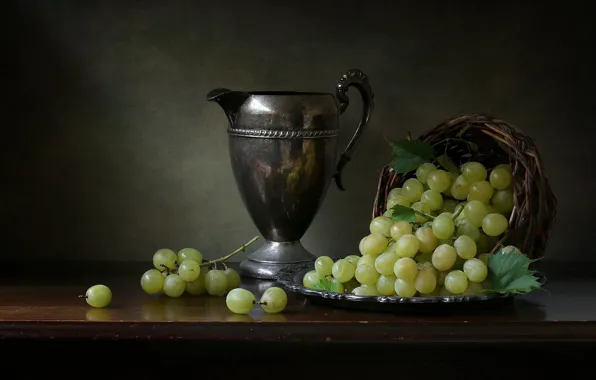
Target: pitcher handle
{"x": 359, "y": 80}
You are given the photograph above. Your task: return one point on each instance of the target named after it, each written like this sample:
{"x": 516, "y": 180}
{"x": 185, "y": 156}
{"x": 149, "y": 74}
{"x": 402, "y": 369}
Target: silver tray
{"x": 291, "y": 279}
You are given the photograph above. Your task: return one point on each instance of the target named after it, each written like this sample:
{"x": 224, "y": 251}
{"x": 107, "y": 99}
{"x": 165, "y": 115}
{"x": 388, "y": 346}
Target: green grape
{"x": 189, "y": 254}
{"x": 385, "y": 262}
{"x": 373, "y": 244}
{"x": 351, "y": 285}
{"x": 323, "y": 266}
{"x": 407, "y": 246}
{"x": 274, "y": 300}
{"x": 353, "y": 259}
{"x": 427, "y": 240}
{"x": 460, "y": 188}
{"x": 443, "y": 227}
{"x": 367, "y": 274}
{"x": 473, "y": 288}
{"x": 240, "y": 301}
{"x": 394, "y": 192}
{"x": 366, "y": 291}
{"x": 189, "y": 270}
{"x": 310, "y": 278}
{"x": 152, "y": 281}
{"x": 428, "y": 266}
{"x": 400, "y": 228}
{"x": 412, "y": 190}
{"x": 232, "y": 278}
{"x": 196, "y": 287}
{"x": 343, "y": 270}
{"x": 485, "y": 258}
{"x": 494, "y": 224}
{"x": 164, "y": 258}
{"x": 98, "y": 296}
{"x": 444, "y": 257}
{"x": 405, "y": 288}
{"x": 511, "y": 249}
{"x": 433, "y": 199}
{"x": 502, "y": 200}
{"x": 216, "y": 282}
{"x": 422, "y": 258}
{"x": 425, "y": 282}
{"x": 474, "y": 212}
{"x": 424, "y": 170}
{"x": 452, "y": 178}
{"x": 339, "y": 285}
{"x": 367, "y": 260}
{"x": 418, "y": 206}
{"x": 466, "y": 228}
{"x": 465, "y": 247}
{"x": 500, "y": 177}
{"x": 439, "y": 180}
{"x": 475, "y": 270}
{"x": 406, "y": 269}
{"x": 390, "y": 247}
{"x": 449, "y": 205}
{"x": 386, "y": 285}
{"x": 174, "y": 286}
{"x": 473, "y": 172}
{"x": 381, "y": 225}
{"x": 456, "y": 282}
{"x": 397, "y": 200}
{"x": 441, "y": 278}
{"x": 481, "y": 191}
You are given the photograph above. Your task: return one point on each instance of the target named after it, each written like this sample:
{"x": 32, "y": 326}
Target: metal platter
{"x": 291, "y": 279}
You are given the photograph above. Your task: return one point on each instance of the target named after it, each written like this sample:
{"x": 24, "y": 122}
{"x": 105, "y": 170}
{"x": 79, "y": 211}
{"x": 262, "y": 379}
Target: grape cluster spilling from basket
{"x": 463, "y": 210}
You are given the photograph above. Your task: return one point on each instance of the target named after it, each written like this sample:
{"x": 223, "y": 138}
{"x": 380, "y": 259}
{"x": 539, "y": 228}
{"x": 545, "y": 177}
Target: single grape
{"x": 390, "y": 247}
{"x": 418, "y": 206}
{"x": 373, "y": 244}
{"x": 216, "y": 282}
{"x": 353, "y": 259}
{"x": 433, "y": 199}
{"x": 367, "y": 274}
{"x": 381, "y": 225}
{"x": 465, "y": 247}
{"x": 274, "y": 300}
{"x": 196, "y": 287}
{"x": 465, "y": 228}
{"x": 164, "y": 258}
{"x": 422, "y": 258}
{"x": 439, "y": 180}
{"x": 427, "y": 239}
{"x": 367, "y": 260}
{"x": 98, "y": 296}
{"x": 385, "y": 262}
{"x": 310, "y": 278}
{"x": 338, "y": 285}
{"x": 475, "y": 270}
{"x": 394, "y": 192}
{"x": 500, "y": 177}
{"x": 473, "y": 172}
{"x": 174, "y": 286}
{"x": 386, "y": 285}
{"x": 424, "y": 170}
{"x": 494, "y": 224}
{"x": 397, "y": 200}
{"x": 232, "y": 278}
{"x": 449, "y": 205}
{"x": 152, "y": 281}
{"x": 443, "y": 227}
{"x": 400, "y": 228}
{"x": 425, "y": 282}
{"x": 485, "y": 258}
{"x": 366, "y": 291}
{"x": 189, "y": 270}
{"x": 473, "y": 288}
{"x": 323, "y": 266}
{"x": 343, "y": 270}
{"x": 406, "y": 269}
{"x": 189, "y": 254}
{"x": 456, "y": 282}
{"x": 502, "y": 201}
{"x": 428, "y": 266}
{"x": 444, "y": 257}
{"x": 452, "y": 178}
{"x": 460, "y": 188}
{"x": 510, "y": 249}
{"x": 412, "y": 190}
{"x": 474, "y": 212}
{"x": 481, "y": 191}
{"x": 240, "y": 301}
{"x": 407, "y": 246}
{"x": 405, "y": 288}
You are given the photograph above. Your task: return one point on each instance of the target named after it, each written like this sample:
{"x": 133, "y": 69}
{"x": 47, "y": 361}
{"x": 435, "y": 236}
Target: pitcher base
{"x": 269, "y": 259}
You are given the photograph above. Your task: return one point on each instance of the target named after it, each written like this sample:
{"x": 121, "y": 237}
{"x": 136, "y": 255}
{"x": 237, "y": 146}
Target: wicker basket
{"x": 534, "y": 211}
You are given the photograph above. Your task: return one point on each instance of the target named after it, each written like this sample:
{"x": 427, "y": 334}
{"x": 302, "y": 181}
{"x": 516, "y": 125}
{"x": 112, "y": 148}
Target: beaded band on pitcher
{"x": 284, "y": 134}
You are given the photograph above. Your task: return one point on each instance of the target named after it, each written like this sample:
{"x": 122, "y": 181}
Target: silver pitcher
{"x": 283, "y": 149}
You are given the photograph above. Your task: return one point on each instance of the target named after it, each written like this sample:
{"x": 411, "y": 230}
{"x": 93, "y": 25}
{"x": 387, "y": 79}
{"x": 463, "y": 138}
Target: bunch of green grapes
{"x": 459, "y": 219}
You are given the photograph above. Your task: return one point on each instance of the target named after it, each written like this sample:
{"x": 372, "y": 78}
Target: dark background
{"x": 110, "y": 150}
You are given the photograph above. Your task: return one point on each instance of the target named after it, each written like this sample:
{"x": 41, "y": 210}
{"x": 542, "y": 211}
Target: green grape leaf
{"x": 446, "y": 163}
{"x": 401, "y": 213}
{"x": 326, "y": 285}
{"x": 409, "y": 154}
{"x": 509, "y": 272}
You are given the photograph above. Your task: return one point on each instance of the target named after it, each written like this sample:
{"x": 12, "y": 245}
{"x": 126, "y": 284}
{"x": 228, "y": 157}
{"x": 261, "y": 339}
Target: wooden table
{"x": 558, "y": 325}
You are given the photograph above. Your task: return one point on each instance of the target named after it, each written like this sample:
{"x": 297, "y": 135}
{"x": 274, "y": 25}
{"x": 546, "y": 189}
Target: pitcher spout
{"x": 230, "y": 101}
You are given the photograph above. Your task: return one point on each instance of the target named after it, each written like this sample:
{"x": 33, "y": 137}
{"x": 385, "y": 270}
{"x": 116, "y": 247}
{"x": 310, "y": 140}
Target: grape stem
{"x": 424, "y": 214}
{"x": 457, "y": 212}
{"x": 499, "y": 243}
{"x": 228, "y": 256}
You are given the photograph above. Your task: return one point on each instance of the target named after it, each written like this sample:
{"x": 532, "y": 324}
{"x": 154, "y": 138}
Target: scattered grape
{"x": 444, "y": 257}
{"x": 494, "y": 224}
{"x": 502, "y": 201}
{"x": 465, "y": 247}
{"x": 373, "y": 244}
{"x": 425, "y": 282}
{"x": 433, "y": 199}
{"x": 232, "y": 278}
{"x": 381, "y": 225}
{"x": 427, "y": 240}
{"x": 174, "y": 286}
{"x": 406, "y": 269}
{"x": 500, "y": 177}
{"x": 424, "y": 170}
{"x": 343, "y": 270}
{"x": 164, "y": 258}
{"x": 481, "y": 191}
{"x": 475, "y": 211}
{"x": 386, "y": 285}
{"x": 98, "y": 296}
{"x": 216, "y": 282}
{"x": 274, "y": 300}
{"x": 189, "y": 254}
{"x": 407, "y": 246}
{"x": 196, "y": 287}
{"x": 353, "y": 259}
{"x": 189, "y": 270}
{"x": 475, "y": 270}
{"x": 405, "y": 288}
{"x": 240, "y": 301}
{"x": 460, "y": 188}
{"x": 323, "y": 266}
{"x": 473, "y": 172}
{"x": 412, "y": 190}
{"x": 443, "y": 227}
{"x": 367, "y": 274}
{"x": 400, "y": 228}
{"x": 366, "y": 291}
{"x": 152, "y": 281}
